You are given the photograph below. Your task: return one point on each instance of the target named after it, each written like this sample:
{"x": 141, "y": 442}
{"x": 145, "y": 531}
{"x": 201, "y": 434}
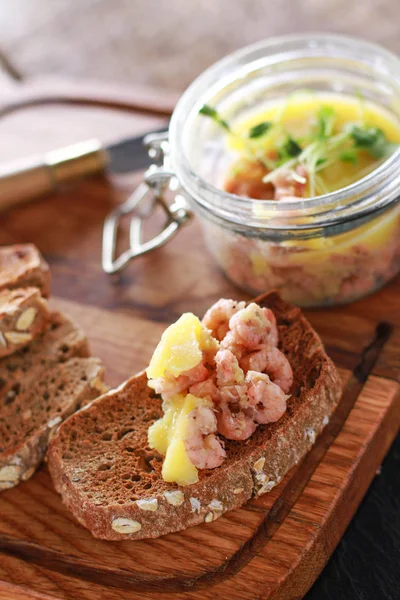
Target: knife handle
{"x": 29, "y": 178}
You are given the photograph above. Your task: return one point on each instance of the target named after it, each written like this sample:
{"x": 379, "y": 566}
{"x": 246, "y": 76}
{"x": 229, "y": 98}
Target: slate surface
{"x": 366, "y": 563}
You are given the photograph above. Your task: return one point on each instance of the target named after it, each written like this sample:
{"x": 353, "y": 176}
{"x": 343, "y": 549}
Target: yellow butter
{"x": 181, "y": 347}
{"x": 168, "y": 434}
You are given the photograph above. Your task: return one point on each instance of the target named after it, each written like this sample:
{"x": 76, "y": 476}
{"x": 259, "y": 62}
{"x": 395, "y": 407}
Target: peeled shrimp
{"x": 169, "y": 386}
{"x": 227, "y": 368}
{"x": 273, "y": 362}
{"x": 230, "y": 343}
{"x": 234, "y": 394}
{"x": 289, "y": 184}
{"x": 234, "y": 426}
{"x": 217, "y": 317}
{"x": 206, "y": 388}
{"x": 267, "y": 401}
{"x": 253, "y": 326}
{"x": 204, "y": 448}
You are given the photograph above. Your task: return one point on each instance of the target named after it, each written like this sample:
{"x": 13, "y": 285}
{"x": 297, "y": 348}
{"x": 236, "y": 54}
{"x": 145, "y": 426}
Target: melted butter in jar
{"x": 308, "y": 145}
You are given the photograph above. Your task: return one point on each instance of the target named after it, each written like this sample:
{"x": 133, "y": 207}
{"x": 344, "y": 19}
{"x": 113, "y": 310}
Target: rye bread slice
{"x": 22, "y": 265}
{"x": 24, "y": 314}
{"x": 111, "y": 481}
{"x": 62, "y": 340}
{"x": 29, "y": 419}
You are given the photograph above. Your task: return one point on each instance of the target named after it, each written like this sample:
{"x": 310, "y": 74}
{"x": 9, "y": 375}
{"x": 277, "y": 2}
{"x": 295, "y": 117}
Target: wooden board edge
{"x": 300, "y": 580}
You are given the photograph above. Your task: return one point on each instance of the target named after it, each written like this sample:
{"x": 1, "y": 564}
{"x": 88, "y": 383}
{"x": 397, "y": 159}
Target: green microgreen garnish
{"x": 290, "y": 148}
{"x": 371, "y": 139}
{"x": 322, "y": 147}
{"x": 260, "y": 129}
{"x": 208, "y": 111}
{"x": 349, "y": 156}
{"x": 325, "y": 121}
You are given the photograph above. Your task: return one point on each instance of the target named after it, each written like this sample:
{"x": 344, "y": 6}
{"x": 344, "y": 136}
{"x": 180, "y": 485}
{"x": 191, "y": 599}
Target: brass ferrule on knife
{"x": 25, "y": 179}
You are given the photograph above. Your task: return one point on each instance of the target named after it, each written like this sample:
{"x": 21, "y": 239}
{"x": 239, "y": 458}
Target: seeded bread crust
{"x": 111, "y": 481}
{"x": 24, "y": 314}
{"x": 22, "y": 265}
{"x": 41, "y": 385}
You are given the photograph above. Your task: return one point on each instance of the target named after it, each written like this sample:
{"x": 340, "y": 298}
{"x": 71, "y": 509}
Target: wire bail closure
{"x": 144, "y": 201}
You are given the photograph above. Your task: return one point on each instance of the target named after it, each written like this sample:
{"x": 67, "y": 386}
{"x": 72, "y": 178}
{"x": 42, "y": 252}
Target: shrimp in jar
{"x": 290, "y": 184}
{"x": 217, "y": 317}
{"x": 267, "y": 401}
{"x": 204, "y": 448}
{"x": 254, "y": 326}
{"x": 272, "y": 361}
{"x": 234, "y": 425}
{"x": 169, "y": 386}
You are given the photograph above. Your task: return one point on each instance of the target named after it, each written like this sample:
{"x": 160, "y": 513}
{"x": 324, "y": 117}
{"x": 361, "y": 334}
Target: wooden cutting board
{"x": 275, "y": 546}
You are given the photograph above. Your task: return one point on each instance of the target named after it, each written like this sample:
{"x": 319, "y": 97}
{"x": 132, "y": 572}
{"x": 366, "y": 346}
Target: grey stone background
{"x": 166, "y": 43}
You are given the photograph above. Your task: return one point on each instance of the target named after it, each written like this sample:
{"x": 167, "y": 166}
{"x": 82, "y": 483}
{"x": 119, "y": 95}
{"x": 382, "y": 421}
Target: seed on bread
{"x": 6, "y": 485}
{"x": 28, "y": 473}
{"x": 53, "y": 422}
{"x": 17, "y": 338}
{"x": 24, "y": 315}
{"x": 310, "y": 435}
{"x": 259, "y": 464}
{"x": 3, "y": 341}
{"x": 26, "y": 319}
{"x": 216, "y": 506}
{"x": 10, "y": 473}
{"x": 195, "y": 504}
{"x": 125, "y": 526}
{"x": 325, "y": 420}
{"x": 237, "y": 491}
{"x": 174, "y": 497}
{"x": 266, "y": 487}
{"x": 148, "y": 504}
{"x": 209, "y": 517}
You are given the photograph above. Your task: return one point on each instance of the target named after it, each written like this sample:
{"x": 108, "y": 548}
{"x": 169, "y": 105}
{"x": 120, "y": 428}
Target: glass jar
{"x": 317, "y": 251}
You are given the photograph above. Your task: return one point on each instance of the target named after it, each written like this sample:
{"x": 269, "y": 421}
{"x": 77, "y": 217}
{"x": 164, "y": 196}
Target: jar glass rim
{"x": 332, "y": 207}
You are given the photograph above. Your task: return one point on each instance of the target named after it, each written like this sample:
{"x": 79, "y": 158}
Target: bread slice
{"x": 24, "y": 314}
{"x": 29, "y": 418}
{"x": 22, "y": 265}
{"x": 40, "y": 385}
{"x": 62, "y": 340}
{"x": 111, "y": 481}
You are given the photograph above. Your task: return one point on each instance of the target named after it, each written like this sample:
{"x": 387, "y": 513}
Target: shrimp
{"x": 290, "y": 184}
{"x": 206, "y": 388}
{"x": 169, "y": 386}
{"x": 227, "y": 368}
{"x": 229, "y": 343}
{"x": 273, "y": 362}
{"x": 267, "y": 401}
{"x": 253, "y": 326}
{"x": 234, "y": 425}
{"x": 247, "y": 180}
{"x": 204, "y": 448}
{"x": 234, "y": 394}
{"x": 217, "y": 317}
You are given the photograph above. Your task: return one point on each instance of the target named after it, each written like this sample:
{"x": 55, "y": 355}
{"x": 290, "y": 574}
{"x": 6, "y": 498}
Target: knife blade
{"x": 128, "y": 155}
{"x": 32, "y": 177}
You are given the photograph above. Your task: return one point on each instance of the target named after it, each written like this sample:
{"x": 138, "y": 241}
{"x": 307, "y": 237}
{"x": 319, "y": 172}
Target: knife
{"x": 29, "y": 178}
